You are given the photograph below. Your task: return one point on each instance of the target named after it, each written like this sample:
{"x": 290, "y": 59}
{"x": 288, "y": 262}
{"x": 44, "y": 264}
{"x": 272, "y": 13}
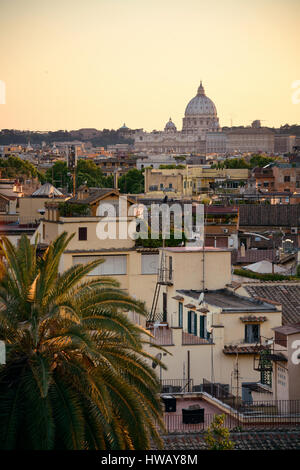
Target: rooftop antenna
{"x": 201, "y": 298}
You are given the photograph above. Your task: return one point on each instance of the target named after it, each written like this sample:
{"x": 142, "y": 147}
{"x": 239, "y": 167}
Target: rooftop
{"x": 228, "y": 301}
{"x": 288, "y": 329}
{"x": 187, "y": 249}
{"x": 252, "y": 256}
{"x": 47, "y": 190}
{"x": 274, "y": 439}
{"x": 288, "y": 294}
{"x": 274, "y": 215}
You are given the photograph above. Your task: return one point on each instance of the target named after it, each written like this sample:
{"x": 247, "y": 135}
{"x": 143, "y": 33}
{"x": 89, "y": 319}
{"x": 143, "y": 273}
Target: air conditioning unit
{"x": 294, "y": 230}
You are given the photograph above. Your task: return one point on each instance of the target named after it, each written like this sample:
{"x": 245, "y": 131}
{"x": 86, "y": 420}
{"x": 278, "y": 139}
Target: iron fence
{"x": 177, "y": 385}
{"x": 174, "y": 422}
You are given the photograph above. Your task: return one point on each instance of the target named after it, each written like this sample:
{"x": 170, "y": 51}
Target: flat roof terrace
{"x": 230, "y": 302}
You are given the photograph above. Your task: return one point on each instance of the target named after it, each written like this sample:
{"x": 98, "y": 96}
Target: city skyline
{"x": 70, "y": 65}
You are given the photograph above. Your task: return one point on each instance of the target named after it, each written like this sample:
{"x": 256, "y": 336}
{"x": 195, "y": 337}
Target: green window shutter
{"x": 180, "y": 313}
{"x": 195, "y": 323}
{"x": 201, "y": 326}
{"x": 189, "y": 321}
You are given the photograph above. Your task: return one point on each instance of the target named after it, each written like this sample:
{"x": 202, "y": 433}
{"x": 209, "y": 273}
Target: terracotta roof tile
{"x": 285, "y": 293}
{"x": 247, "y": 349}
{"x": 248, "y": 318}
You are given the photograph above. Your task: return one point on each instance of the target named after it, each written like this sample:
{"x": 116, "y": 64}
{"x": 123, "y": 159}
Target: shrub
{"x": 217, "y": 437}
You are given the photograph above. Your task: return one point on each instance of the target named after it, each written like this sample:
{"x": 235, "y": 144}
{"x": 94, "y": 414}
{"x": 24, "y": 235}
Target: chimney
{"x": 243, "y": 250}
{"x": 116, "y": 177}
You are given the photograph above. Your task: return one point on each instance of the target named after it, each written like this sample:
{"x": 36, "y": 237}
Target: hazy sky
{"x": 69, "y": 64}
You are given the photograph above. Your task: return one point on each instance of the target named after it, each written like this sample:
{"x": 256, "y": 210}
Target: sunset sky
{"x": 69, "y": 64}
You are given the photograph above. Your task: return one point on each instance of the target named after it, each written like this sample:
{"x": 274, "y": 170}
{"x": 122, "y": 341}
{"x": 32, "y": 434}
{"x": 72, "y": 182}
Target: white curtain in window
{"x": 113, "y": 264}
{"x": 150, "y": 264}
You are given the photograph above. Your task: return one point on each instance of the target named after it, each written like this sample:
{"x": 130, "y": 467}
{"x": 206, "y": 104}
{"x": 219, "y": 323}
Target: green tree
{"x": 58, "y": 174}
{"x": 132, "y": 182}
{"x": 87, "y": 172}
{"x": 260, "y": 161}
{"x": 76, "y": 375}
{"x": 217, "y": 436}
{"x": 15, "y": 167}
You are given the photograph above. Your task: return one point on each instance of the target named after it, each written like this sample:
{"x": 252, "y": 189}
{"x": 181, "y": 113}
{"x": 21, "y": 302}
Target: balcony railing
{"x": 190, "y": 339}
{"x": 165, "y": 276}
{"x": 174, "y": 422}
{"x": 163, "y": 336}
{"x": 177, "y": 385}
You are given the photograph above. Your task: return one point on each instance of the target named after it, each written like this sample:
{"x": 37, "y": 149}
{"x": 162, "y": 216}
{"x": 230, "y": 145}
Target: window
{"x": 164, "y": 306}
{"x": 180, "y": 314}
{"x": 82, "y": 233}
{"x": 170, "y": 185}
{"x": 113, "y": 264}
{"x": 252, "y": 333}
{"x": 170, "y": 267}
{"x": 192, "y": 322}
{"x": 150, "y": 264}
{"x": 287, "y": 179}
{"x": 202, "y": 329}
{"x": 44, "y": 231}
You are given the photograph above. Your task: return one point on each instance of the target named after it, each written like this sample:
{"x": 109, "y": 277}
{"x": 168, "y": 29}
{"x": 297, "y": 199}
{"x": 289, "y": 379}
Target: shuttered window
{"x": 180, "y": 314}
{"x": 82, "y": 233}
{"x": 189, "y": 321}
{"x": 150, "y": 264}
{"x": 192, "y": 322}
{"x": 112, "y": 265}
{"x": 165, "y": 313}
{"x": 202, "y": 326}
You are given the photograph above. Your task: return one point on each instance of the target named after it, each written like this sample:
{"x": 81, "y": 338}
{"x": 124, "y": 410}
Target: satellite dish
{"x": 201, "y": 298}
{"x": 154, "y": 364}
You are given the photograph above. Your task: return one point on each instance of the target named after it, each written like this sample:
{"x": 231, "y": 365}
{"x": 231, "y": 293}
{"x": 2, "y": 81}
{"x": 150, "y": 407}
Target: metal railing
{"x": 176, "y": 385}
{"x": 165, "y": 276}
{"x": 190, "y": 339}
{"x": 19, "y": 219}
{"x": 162, "y": 336}
{"x": 174, "y": 422}
{"x": 255, "y": 408}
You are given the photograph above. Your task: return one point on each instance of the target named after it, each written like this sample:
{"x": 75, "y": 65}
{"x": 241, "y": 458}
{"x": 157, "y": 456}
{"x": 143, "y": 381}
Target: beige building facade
{"x": 191, "y": 180}
{"x": 211, "y": 332}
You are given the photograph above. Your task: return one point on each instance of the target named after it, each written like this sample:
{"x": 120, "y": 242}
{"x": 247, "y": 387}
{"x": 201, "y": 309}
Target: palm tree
{"x": 76, "y": 375}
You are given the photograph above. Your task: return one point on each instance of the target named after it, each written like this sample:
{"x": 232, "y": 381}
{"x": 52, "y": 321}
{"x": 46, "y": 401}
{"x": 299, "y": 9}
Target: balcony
{"x": 190, "y": 339}
{"x": 165, "y": 276}
{"x": 163, "y": 335}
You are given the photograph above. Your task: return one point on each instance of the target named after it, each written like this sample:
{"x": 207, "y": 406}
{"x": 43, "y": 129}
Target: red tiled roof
{"x": 247, "y": 318}
{"x": 249, "y": 349}
{"x": 287, "y": 294}
{"x": 253, "y": 256}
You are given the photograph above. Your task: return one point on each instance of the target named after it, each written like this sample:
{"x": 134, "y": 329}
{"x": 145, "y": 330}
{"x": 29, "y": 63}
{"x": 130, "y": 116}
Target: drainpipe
{"x": 188, "y": 369}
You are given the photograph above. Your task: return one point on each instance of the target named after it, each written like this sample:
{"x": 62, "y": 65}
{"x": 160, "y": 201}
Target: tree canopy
{"x": 15, "y": 167}
{"x": 87, "y": 172}
{"x": 132, "y": 182}
{"x": 238, "y": 163}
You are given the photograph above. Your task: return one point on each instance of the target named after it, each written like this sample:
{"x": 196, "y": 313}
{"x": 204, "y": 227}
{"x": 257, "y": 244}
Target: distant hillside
{"x": 101, "y": 138}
